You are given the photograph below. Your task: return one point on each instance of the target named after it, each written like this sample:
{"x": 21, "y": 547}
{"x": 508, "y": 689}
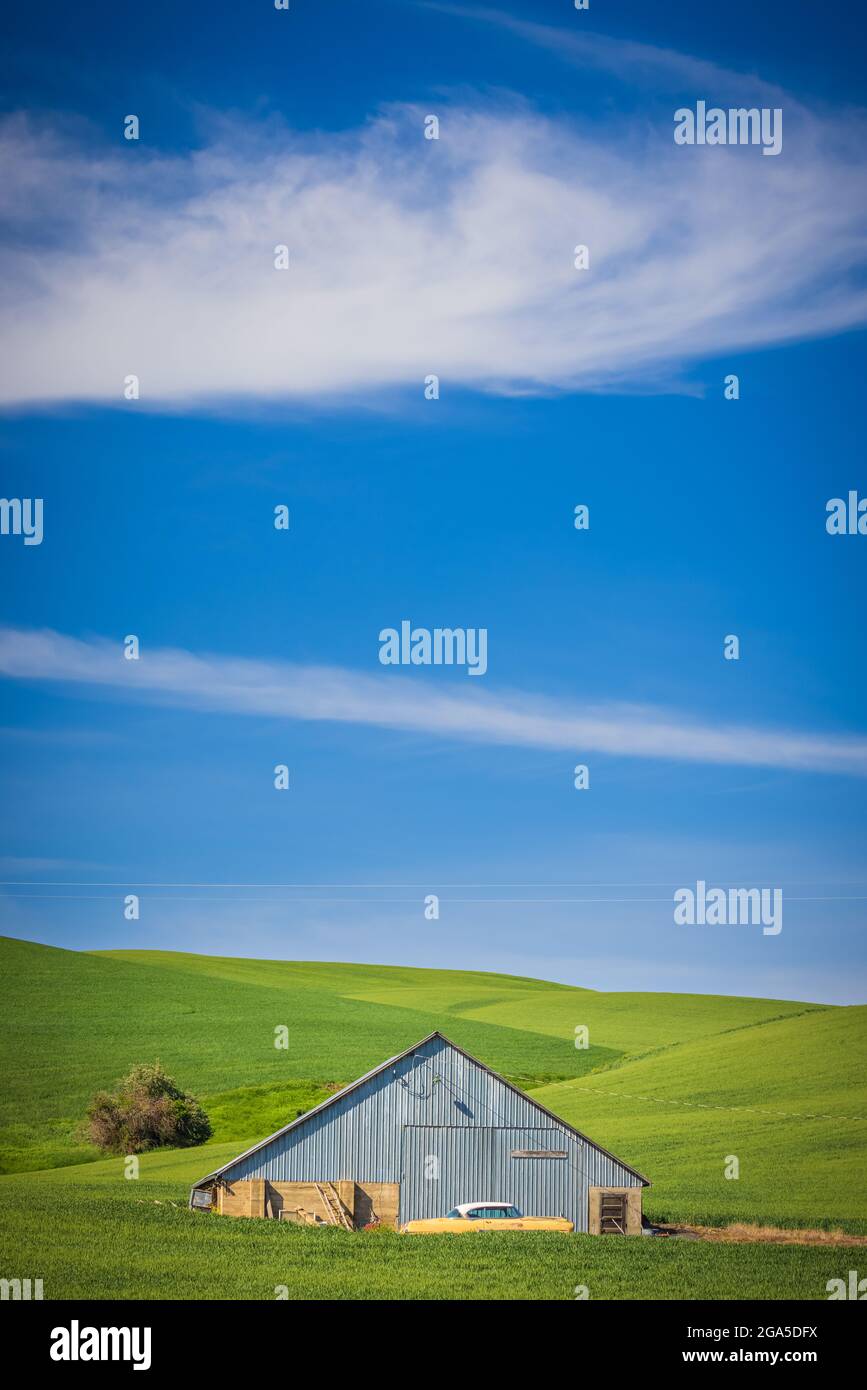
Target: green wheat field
{"x": 671, "y": 1083}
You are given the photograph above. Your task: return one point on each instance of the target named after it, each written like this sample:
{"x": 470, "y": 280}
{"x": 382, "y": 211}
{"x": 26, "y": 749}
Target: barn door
{"x": 443, "y": 1166}
{"x": 613, "y": 1214}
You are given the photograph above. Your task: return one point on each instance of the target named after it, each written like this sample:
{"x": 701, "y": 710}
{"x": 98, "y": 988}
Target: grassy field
{"x": 158, "y": 1250}
{"x": 787, "y": 1099}
{"x": 674, "y": 1084}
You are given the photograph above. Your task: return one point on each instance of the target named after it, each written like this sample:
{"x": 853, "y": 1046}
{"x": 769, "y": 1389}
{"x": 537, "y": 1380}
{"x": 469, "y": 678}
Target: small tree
{"x": 146, "y": 1112}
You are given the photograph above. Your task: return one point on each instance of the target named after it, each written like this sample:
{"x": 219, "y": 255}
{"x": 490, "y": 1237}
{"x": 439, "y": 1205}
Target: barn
{"x": 423, "y": 1132}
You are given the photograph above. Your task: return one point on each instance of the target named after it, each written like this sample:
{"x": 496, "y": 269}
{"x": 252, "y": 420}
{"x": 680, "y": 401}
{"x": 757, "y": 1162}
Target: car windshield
{"x": 493, "y": 1213}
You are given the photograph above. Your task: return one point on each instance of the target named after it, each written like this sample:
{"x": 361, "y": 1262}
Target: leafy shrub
{"x": 148, "y": 1111}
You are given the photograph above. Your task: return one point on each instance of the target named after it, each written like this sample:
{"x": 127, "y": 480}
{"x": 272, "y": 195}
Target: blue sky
{"x": 454, "y": 257}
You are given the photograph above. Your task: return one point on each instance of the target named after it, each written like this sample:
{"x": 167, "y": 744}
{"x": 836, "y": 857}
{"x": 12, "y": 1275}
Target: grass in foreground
{"x": 107, "y": 1240}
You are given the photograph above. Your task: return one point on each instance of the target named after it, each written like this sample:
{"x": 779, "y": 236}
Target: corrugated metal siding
{"x": 371, "y": 1135}
{"x": 444, "y": 1167}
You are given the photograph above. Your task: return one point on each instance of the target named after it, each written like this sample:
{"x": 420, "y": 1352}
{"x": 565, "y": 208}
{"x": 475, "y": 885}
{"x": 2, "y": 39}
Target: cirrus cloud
{"x": 283, "y": 690}
{"x": 410, "y": 257}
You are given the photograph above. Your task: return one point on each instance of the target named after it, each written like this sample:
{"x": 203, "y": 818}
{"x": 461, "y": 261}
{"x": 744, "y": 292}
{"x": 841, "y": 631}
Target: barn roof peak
{"x": 390, "y": 1062}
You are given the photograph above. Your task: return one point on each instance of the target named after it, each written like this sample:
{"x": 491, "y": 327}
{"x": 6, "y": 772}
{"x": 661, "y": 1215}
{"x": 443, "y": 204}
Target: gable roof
{"x": 389, "y": 1062}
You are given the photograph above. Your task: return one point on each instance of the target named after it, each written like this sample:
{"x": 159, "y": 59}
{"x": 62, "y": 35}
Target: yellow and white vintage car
{"x": 485, "y": 1216}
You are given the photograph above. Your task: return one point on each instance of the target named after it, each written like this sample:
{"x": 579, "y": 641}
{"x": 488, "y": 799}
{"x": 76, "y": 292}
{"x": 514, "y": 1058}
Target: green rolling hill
{"x": 672, "y": 1083}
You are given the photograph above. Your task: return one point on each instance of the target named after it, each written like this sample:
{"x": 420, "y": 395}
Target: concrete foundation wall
{"x": 300, "y": 1201}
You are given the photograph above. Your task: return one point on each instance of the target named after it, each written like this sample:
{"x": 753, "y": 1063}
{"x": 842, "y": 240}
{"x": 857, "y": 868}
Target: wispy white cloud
{"x": 391, "y": 701}
{"x": 633, "y": 61}
{"x": 410, "y": 257}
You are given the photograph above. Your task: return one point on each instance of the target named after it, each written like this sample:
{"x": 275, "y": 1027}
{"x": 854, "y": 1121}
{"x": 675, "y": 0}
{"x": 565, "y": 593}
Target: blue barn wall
{"x": 444, "y": 1128}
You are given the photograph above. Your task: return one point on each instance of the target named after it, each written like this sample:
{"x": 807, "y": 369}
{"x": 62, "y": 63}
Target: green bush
{"x": 148, "y": 1111}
